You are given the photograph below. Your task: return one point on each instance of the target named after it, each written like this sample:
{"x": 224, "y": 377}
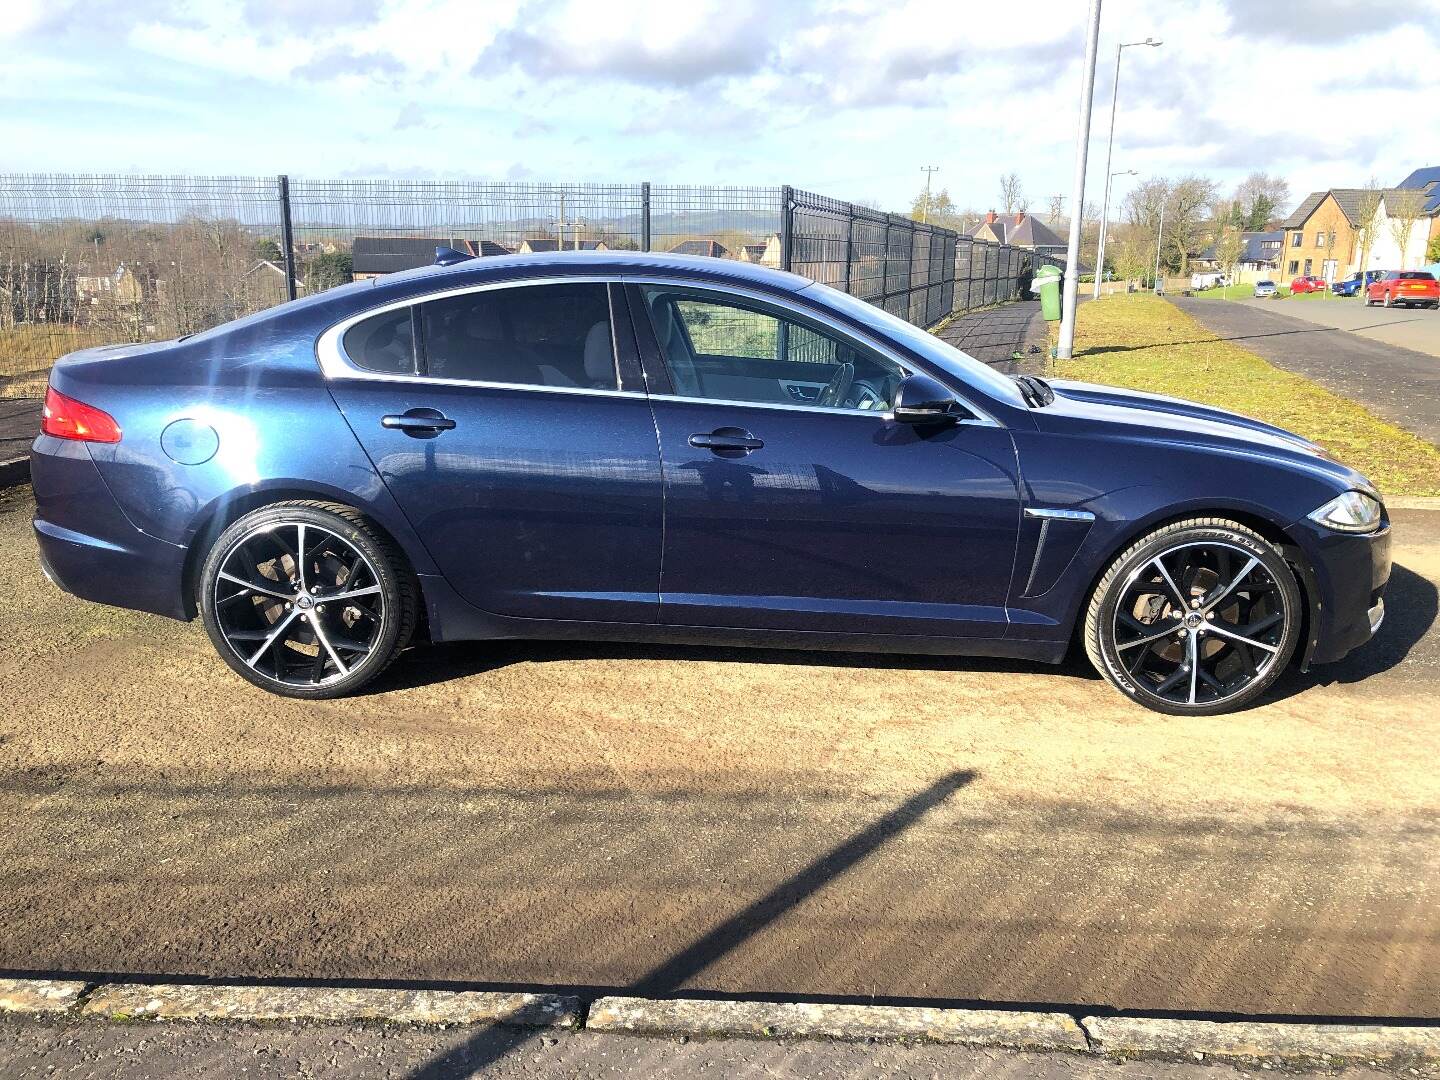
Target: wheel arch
{"x": 222, "y": 512}
{"x": 1267, "y": 527}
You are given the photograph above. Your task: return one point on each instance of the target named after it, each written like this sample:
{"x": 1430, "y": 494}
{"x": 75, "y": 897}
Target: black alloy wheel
{"x": 1199, "y": 617}
{"x": 307, "y": 599}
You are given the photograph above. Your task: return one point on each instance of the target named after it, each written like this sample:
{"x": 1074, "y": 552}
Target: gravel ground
{"x": 629, "y": 817}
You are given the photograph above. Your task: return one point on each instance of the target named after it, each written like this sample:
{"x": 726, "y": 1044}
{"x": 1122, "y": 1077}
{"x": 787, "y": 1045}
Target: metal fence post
{"x": 287, "y": 237}
{"x": 849, "y": 241}
{"x": 787, "y": 225}
{"x": 645, "y": 216}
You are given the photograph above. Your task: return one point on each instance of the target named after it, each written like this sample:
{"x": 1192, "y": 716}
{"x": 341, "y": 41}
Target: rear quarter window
{"x": 383, "y": 343}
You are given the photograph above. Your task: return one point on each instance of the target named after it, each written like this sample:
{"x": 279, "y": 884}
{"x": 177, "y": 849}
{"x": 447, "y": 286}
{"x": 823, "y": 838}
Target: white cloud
{"x": 850, "y": 96}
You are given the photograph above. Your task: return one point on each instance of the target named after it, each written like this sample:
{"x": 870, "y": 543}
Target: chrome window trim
{"x": 334, "y": 364}
{"x": 777, "y": 405}
{"x": 1058, "y": 515}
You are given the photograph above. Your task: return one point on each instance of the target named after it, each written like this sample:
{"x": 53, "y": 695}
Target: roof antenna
{"x": 448, "y": 256}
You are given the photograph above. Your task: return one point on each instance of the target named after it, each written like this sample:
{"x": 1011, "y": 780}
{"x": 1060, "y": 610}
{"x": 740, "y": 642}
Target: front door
{"x": 793, "y": 501}
{"x": 497, "y": 421}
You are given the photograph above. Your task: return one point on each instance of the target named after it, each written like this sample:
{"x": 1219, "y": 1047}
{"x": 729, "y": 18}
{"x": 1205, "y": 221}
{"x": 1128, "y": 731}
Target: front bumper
{"x": 1345, "y": 582}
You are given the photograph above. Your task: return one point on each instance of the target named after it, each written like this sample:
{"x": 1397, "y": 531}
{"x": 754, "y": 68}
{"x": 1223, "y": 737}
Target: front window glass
{"x": 536, "y": 335}
{"x": 726, "y": 349}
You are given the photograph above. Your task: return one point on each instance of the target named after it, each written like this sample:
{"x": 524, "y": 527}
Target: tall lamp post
{"x": 1109, "y": 150}
{"x": 1100, "y": 247}
{"x": 1065, "y": 346}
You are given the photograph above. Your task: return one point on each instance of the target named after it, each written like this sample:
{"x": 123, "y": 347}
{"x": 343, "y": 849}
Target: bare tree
{"x": 1012, "y": 194}
{"x": 1057, "y": 207}
{"x": 1144, "y": 209}
{"x": 1229, "y": 242}
{"x": 1404, "y": 207}
{"x": 1184, "y": 215}
{"x": 1367, "y": 224}
{"x": 1259, "y": 198}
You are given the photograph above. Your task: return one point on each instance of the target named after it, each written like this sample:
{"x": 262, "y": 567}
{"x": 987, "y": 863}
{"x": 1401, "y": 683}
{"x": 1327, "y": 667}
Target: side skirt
{"x": 453, "y": 619}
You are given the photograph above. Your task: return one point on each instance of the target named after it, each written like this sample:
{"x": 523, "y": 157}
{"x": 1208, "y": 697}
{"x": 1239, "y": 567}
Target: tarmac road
{"x": 731, "y": 821}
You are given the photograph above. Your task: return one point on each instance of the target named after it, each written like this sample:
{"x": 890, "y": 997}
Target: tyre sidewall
{"x": 390, "y": 623}
{"x": 1104, "y": 645}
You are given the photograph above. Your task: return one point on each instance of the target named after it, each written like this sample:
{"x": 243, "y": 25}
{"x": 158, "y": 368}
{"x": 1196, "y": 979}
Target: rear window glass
{"x": 528, "y": 335}
{"x": 1418, "y": 275}
{"x": 383, "y": 343}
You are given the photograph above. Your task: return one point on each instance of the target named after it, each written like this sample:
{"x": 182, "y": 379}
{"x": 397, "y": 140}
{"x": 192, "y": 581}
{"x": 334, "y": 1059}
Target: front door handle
{"x": 731, "y": 439}
{"x": 419, "y": 423}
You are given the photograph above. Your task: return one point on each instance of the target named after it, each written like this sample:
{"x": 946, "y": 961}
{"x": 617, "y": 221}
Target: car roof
{"x": 592, "y": 264}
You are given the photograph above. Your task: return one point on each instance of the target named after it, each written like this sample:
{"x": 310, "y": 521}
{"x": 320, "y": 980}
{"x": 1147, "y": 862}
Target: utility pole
{"x": 561, "y": 225}
{"x": 1065, "y": 348}
{"x": 1109, "y": 150}
{"x": 925, "y": 205}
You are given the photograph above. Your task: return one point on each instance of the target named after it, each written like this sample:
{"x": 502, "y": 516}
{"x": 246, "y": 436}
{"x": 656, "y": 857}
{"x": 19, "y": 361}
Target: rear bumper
{"x": 88, "y": 547}
{"x": 1346, "y": 583}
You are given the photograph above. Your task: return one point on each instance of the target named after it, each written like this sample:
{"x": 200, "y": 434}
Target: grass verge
{"x": 1148, "y": 344}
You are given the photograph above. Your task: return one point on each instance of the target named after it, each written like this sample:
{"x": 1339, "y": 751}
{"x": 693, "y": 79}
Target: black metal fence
{"x": 90, "y": 260}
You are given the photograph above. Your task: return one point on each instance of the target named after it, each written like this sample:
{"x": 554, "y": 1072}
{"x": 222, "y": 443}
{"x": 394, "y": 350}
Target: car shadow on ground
{"x": 427, "y": 665}
{"x": 1412, "y": 605}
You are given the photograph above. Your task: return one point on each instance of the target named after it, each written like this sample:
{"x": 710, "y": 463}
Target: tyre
{"x": 307, "y": 599}
{"x": 1199, "y": 617}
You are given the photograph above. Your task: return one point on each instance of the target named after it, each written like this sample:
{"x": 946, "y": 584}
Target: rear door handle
{"x": 421, "y": 423}
{"x": 722, "y": 440}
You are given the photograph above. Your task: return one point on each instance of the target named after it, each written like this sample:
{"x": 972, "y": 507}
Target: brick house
{"x": 1320, "y": 238}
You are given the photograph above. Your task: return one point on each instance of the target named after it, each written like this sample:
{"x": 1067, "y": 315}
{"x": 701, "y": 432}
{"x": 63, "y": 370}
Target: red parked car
{"x": 1308, "y": 284}
{"x": 1413, "y": 288}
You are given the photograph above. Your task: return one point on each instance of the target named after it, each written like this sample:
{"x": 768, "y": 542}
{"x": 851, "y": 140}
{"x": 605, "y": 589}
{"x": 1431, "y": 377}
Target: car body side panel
{"x": 842, "y": 521}
{"x": 537, "y": 504}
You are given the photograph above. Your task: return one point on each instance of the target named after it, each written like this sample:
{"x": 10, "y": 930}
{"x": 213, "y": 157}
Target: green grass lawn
{"x": 1145, "y": 343}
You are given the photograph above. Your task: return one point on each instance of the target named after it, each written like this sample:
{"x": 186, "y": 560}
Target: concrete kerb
{"x": 1126, "y": 1037}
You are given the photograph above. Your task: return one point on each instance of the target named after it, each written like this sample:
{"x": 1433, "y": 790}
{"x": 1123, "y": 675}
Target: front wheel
{"x": 1199, "y": 617}
{"x": 307, "y": 599}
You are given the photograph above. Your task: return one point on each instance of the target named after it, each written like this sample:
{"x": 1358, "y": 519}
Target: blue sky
{"x": 846, "y": 97}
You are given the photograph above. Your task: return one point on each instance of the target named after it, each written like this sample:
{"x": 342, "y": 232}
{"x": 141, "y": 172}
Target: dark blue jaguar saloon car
{"x": 666, "y": 449}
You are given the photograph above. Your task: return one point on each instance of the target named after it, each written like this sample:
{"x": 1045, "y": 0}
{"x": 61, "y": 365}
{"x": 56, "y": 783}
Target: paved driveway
{"x": 1400, "y": 384}
{"x": 738, "y": 821}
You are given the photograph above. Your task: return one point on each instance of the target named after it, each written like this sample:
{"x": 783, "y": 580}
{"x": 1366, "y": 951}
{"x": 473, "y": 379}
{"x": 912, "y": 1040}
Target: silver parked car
{"x": 1264, "y": 289}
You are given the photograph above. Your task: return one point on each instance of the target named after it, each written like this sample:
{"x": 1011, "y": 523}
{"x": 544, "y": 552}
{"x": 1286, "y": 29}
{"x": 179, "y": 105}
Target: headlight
{"x": 1353, "y": 512}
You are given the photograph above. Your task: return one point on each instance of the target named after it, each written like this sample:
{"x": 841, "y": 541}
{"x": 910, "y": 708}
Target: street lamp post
{"x": 1159, "y": 238}
{"x": 1100, "y": 252}
{"x": 1109, "y": 150}
{"x": 1065, "y": 346}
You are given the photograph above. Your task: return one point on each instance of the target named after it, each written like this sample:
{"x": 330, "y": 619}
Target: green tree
{"x": 267, "y": 249}
{"x": 328, "y": 270}
{"x": 1432, "y": 250}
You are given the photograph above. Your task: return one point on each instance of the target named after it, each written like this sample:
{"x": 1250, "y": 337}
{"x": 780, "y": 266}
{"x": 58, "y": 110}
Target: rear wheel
{"x": 307, "y": 599}
{"x": 1199, "y": 617}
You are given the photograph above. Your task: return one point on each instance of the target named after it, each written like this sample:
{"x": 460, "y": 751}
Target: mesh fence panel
{"x": 725, "y": 222}
{"x": 88, "y": 260}
{"x": 92, "y": 260}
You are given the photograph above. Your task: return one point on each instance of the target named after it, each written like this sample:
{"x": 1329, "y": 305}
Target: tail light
{"x": 66, "y": 418}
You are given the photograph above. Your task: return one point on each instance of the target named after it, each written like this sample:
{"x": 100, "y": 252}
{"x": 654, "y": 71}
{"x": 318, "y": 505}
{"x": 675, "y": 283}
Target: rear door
{"x": 499, "y": 420}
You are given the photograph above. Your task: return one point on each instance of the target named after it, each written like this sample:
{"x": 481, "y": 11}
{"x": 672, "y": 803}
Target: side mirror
{"x": 923, "y": 400}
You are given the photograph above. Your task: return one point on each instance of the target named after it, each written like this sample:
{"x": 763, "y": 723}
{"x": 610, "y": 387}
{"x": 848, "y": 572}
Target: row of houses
{"x": 1333, "y": 231}
{"x": 372, "y": 256}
